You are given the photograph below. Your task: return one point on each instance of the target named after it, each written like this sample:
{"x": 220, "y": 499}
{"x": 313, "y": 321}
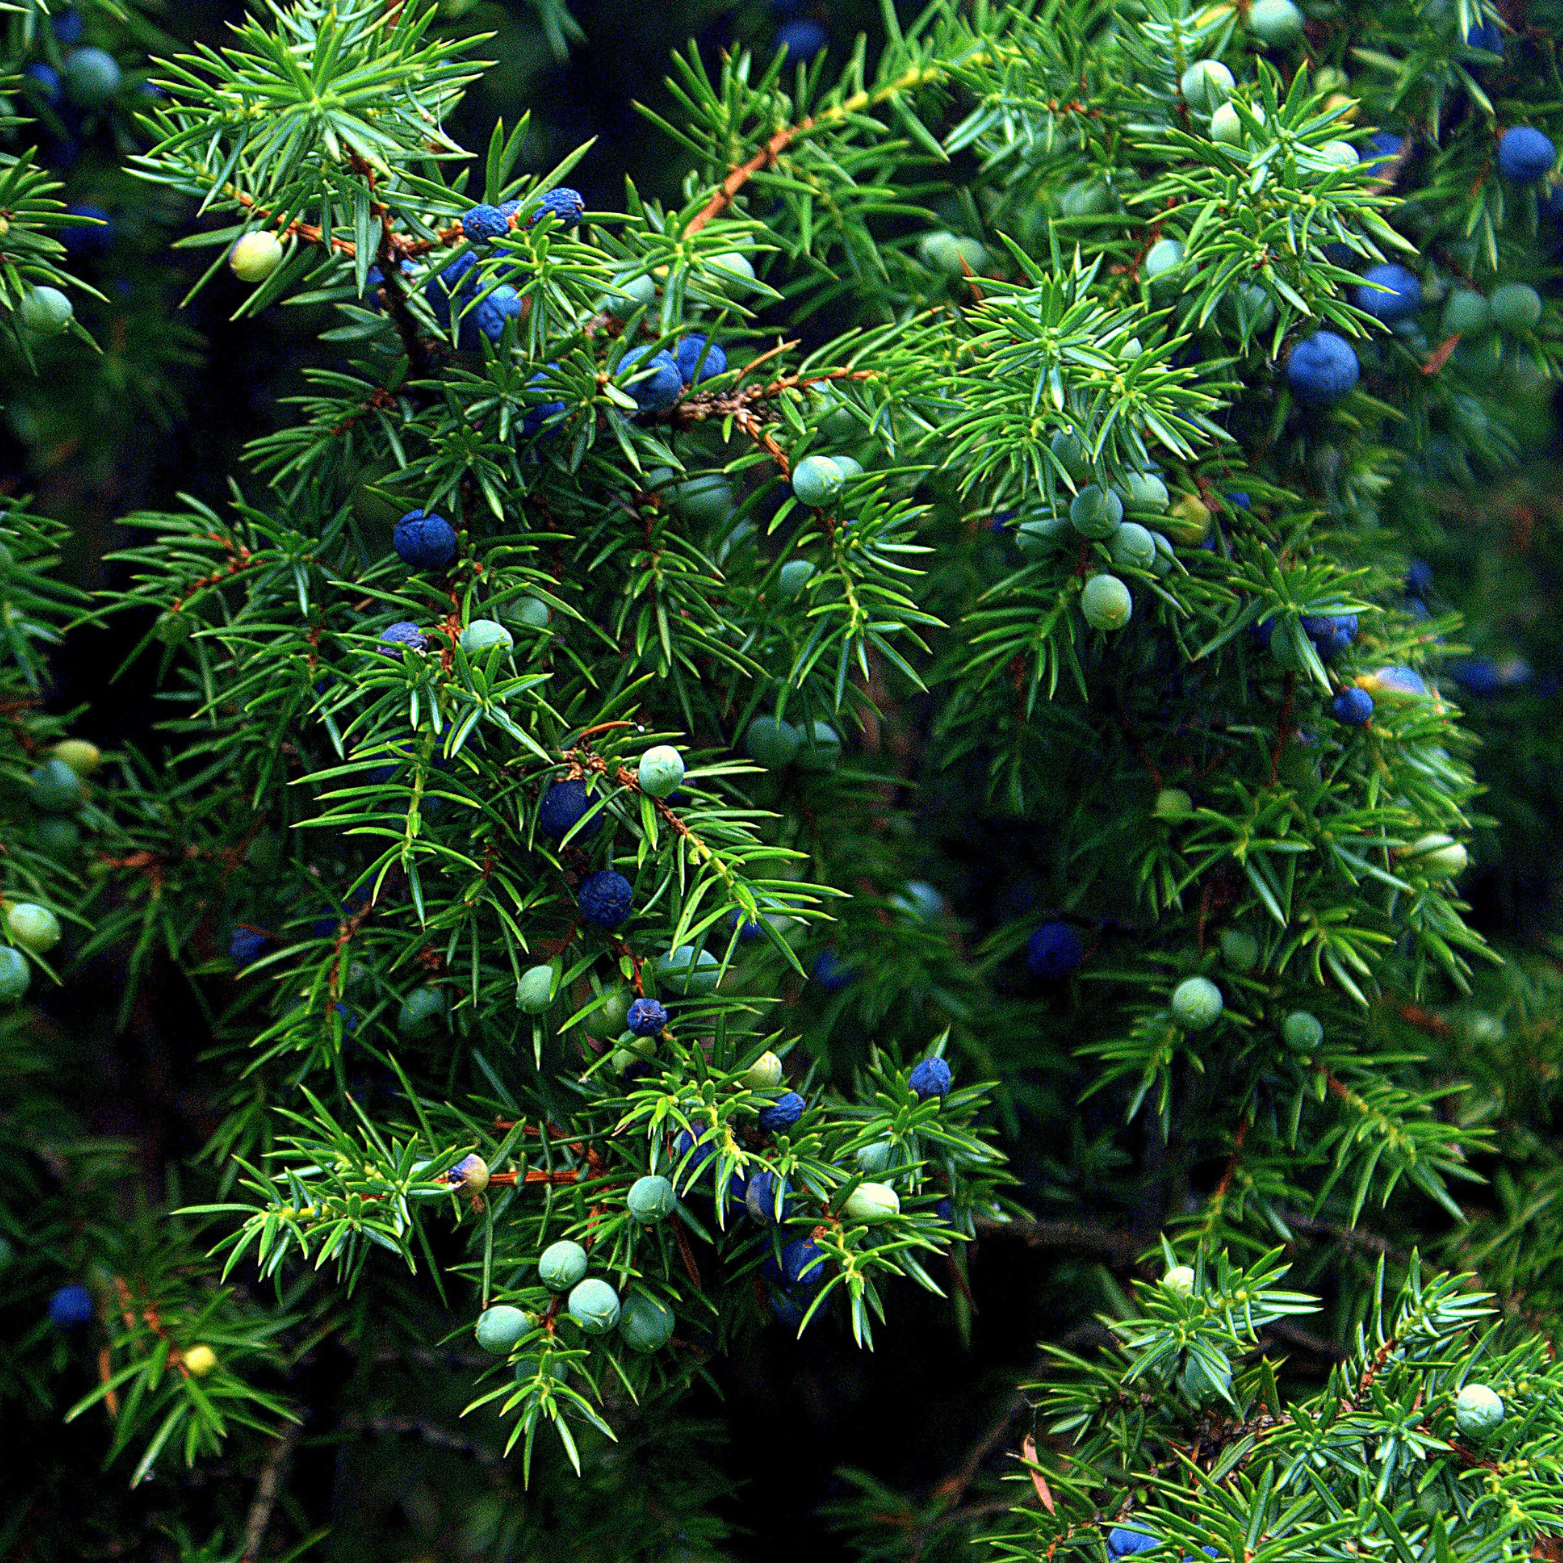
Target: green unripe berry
{"x": 1301, "y": 1032}
{"x": 15, "y": 974}
{"x": 763, "y": 1073}
{"x": 594, "y": 1305}
{"x": 875, "y": 1158}
{"x": 483, "y": 635}
{"x": 1106, "y": 603}
{"x": 1478, "y": 1411}
{"x": 1095, "y": 511}
{"x": 82, "y": 757}
{"x": 706, "y": 497}
{"x": 423, "y": 1011}
{"x": 650, "y": 1199}
{"x": 1203, "y": 1384}
{"x": 607, "y": 1019}
{"x": 562, "y": 1265}
{"x": 1275, "y": 22}
{"x": 531, "y": 613}
{"x": 792, "y": 578}
{"x": 1516, "y": 306}
{"x": 1144, "y": 491}
{"x": 1205, "y": 84}
{"x": 33, "y": 927}
{"x": 817, "y": 480}
{"x": 1179, "y": 1280}
{"x": 255, "y": 256}
{"x": 1165, "y": 557}
{"x": 733, "y": 270}
{"x": 1239, "y": 950}
{"x": 500, "y": 1328}
{"x": 687, "y": 973}
{"x": 1436, "y": 856}
{"x": 199, "y": 1361}
{"x": 59, "y": 840}
{"x": 91, "y": 76}
{"x": 1173, "y": 804}
{"x": 55, "y": 788}
{"x": 1085, "y": 198}
{"x": 660, "y": 771}
{"x": 1341, "y": 153}
{"x": 1226, "y": 126}
{"x": 1042, "y": 534}
{"x": 772, "y": 744}
{"x": 851, "y": 467}
{"x": 819, "y": 747}
{"x": 45, "y": 311}
{"x": 632, "y": 293}
{"x": 1072, "y": 454}
{"x": 1467, "y": 313}
{"x": 872, "y": 1202}
{"x": 535, "y": 991}
{"x": 1163, "y": 256}
{"x": 945, "y": 252}
{"x": 1197, "y": 1004}
{"x": 645, "y": 1323}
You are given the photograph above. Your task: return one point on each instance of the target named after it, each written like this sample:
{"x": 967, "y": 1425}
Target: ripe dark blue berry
{"x": 1323, "y": 368}
{"x": 424, "y": 541}
{"x": 564, "y": 204}
{"x": 783, "y": 1113}
{"x": 646, "y": 1018}
{"x": 455, "y": 282}
{"x": 803, "y": 1263}
{"x": 930, "y": 1077}
{"x": 1331, "y": 634}
{"x": 832, "y": 973}
{"x": 1054, "y": 951}
{"x": 1419, "y": 578}
{"x": 541, "y": 412}
{"x": 247, "y": 945}
{"x": 1123, "y": 1543}
{"x": 71, "y": 1307}
{"x": 761, "y": 1198}
{"x": 802, "y": 39}
{"x": 698, "y": 358}
{"x": 605, "y": 899}
{"x": 1402, "y": 301}
{"x": 652, "y": 378}
{"x": 1525, "y": 154}
{"x": 483, "y": 223}
{"x": 1352, "y": 706}
{"x": 402, "y": 634}
{"x": 563, "y": 806}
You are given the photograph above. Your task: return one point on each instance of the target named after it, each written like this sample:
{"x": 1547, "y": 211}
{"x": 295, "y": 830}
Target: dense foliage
{"x": 724, "y": 746}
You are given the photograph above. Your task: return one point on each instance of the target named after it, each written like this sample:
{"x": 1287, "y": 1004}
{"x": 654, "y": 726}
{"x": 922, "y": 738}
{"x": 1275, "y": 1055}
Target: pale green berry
{"x": 851, "y": 467}
{"x": 422, "y": 1012}
{"x": 531, "y": 613}
{"x": 1165, "y": 557}
{"x": 792, "y": 578}
{"x": 817, "y": 480}
{"x": 594, "y": 1305}
{"x": 562, "y": 1265}
{"x": 645, "y": 1323}
{"x": 764, "y": 1073}
{"x": 45, "y": 311}
{"x": 660, "y": 771}
{"x": 819, "y": 747}
{"x": 771, "y": 743}
{"x": 632, "y": 292}
{"x": 875, "y": 1158}
{"x": 1096, "y": 511}
{"x": 607, "y": 1019}
{"x": 1173, "y": 804}
{"x": 1436, "y": 856}
{"x": 1132, "y": 547}
{"x": 535, "y": 991}
{"x": 685, "y": 972}
{"x": 255, "y": 256}
{"x": 1163, "y": 256}
{"x": 1144, "y": 491}
{"x": 872, "y": 1202}
{"x": 734, "y": 270}
{"x": 1106, "y": 603}
{"x": 33, "y": 927}
{"x": 82, "y": 757}
{"x": 1516, "y": 306}
{"x": 1275, "y": 22}
{"x": 1085, "y": 198}
{"x": 499, "y": 1329}
{"x": 650, "y": 1199}
{"x": 945, "y": 252}
{"x": 1239, "y": 950}
{"x": 1341, "y": 153}
{"x": 15, "y": 974}
{"x": 1203, "y": 1384}
{"x": 1197, "y": 1004}
{"x": 1466, "y": 313}
{"x": 483, "y": 635}
{"x": 1042, "y": 535}
{"x": 1205, "y": 84}
{"x": 1301, "y": 1031}
{"x": 706, "y": 497}
{"x": 1226, "y": 127}
{"x": 1478, "y": 1411}
{"x": 1071, "y": 453}
{"x": 1179, "y": 1280}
